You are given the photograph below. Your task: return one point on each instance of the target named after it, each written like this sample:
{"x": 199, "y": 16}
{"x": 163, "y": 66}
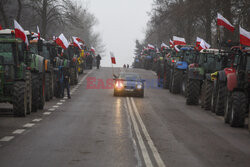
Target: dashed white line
{"x": 7, "y": 138}
{"x": 37, "y": 120}
{"x": 51, "y": 109}
{"x": 59, "y": 103}
{"x": 55, "y": 106}
{"x": 18, "y": 131}
{"x": 62, "y": 100}
{"x": 46, "y": 113}
{"x": 64, "y": 97}
{"x": 28, "y": 125}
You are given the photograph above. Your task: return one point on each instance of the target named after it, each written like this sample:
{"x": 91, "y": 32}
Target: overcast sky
{"x": 121, "y": 22}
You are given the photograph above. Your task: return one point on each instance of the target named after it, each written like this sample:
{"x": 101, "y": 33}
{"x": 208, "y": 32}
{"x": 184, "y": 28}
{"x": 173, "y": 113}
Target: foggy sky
{"x": 121, "y": 22}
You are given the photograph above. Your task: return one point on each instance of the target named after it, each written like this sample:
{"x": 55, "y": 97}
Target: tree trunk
{"x": 19, "y": 10}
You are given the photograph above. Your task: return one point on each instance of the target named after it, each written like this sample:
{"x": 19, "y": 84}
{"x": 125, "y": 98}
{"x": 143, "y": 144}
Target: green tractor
{"x": 15, "y": 76}
{"x": 199, "y": 78}
{"x": 35, "y": 63}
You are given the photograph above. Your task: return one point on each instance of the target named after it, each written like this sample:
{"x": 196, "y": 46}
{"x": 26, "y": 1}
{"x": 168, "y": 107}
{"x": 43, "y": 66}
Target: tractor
{"x": 178, "y": 79}
{"x": 238, "y": 89}
{"x": 15, "y": 76}
{"x": 36, "y": 65}
{"x": 199, "y": 80}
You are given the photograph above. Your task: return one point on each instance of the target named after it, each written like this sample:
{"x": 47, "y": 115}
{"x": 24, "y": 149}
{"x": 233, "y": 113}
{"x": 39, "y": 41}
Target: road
{"x": 93, "y": 128}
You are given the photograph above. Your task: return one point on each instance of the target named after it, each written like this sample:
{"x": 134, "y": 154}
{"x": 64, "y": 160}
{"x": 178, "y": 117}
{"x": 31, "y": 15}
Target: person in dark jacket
{"x": 98, "y": 60}
{"x": 66, "y": 84}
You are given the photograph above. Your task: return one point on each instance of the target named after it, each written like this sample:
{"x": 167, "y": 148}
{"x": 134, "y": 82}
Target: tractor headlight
{"x": 119, "y": 85}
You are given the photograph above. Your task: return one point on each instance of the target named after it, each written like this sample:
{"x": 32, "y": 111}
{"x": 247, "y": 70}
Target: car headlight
{"x": 139, "y": 86}
{"x": 119, "y": 85}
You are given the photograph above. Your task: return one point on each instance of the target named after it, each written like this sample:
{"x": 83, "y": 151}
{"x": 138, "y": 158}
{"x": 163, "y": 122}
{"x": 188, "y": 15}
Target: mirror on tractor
{"x": 40, "y": 45}
{"x": 1, "y": 60}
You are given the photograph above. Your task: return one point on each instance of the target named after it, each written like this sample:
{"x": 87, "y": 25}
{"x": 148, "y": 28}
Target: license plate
{"x": 129, "y": 90}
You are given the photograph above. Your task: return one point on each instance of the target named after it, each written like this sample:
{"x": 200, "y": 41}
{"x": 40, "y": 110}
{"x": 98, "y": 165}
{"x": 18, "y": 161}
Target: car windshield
{"x": 129, "y": 77}
{"x": 6, "y": 50}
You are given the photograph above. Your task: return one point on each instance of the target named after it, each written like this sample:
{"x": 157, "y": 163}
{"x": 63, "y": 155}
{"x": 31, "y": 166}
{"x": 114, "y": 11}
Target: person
{"x": 90, "y": 61}
{"x": 98, "y": 59}
{"x": 66, "y": 75}
{"x": 127, "y": 66}
{"x": 124, "y": 66}
{"x": 60, "y": 82}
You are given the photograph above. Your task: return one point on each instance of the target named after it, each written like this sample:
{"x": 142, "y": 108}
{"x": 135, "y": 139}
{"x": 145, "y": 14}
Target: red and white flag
{"x": 179, "y": 40}
{"x": 62, "y": 41}
{"x": 19, "y": 32}
{"x": 151, "y": 47}
{"x": 164, "y": 46}
{"x": 198, "y": 41}
{"x": 76, "y": 43}
{"x": 171, "y": 43}
{"x": 1, "y": 27}
{"x": 221, "y": 21}
{"x": 112, "y": 58}
{"x": 244, "y": 37}
{"x": 204, "y": 45}
{"x": 92, "y": 50}
{"x": 38, "y": 32}
{"x": 79, "y": 40}
{"x": 176, "y": 48}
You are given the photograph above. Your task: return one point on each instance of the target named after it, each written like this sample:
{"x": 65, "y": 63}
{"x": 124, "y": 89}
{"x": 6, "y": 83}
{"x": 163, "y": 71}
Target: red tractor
{"x": 238, "y": 90}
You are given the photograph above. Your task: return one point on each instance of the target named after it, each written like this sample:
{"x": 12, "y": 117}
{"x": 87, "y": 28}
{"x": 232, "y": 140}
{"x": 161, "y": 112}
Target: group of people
{"x": 64, "y": 76}
{"x": 89, "y": 61}
{"x": 126, "y": 66}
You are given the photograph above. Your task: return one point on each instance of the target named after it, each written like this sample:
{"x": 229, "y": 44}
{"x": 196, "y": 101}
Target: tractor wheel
{"x": 208, "y": 89}
{"x": 51, "y": 86}
{"x": 193, "y": 92}
{"x": 203, "y": 89}
{"x": 214, "y": 97}
{"x": 41, "y": 91}
{"x": 47, "y": 86}
{"x": 239, "y": 109}
{"x": 176, "y": 81}
{"x": 221, "y": 98}
{"x": 228, "y": 109}
{"x": 184, "y": 86}
{"x": 29, "y": 91}
{"x": 20, "y": 99}
{"x": 35, "y": 92}
{"x": 167, "y": 79}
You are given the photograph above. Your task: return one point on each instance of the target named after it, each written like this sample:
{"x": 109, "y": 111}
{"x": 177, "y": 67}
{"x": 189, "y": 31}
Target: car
{"x": 128, "y": 83}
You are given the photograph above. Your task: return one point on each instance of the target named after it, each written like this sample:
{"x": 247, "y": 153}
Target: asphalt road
{"x": 96, "y": 129}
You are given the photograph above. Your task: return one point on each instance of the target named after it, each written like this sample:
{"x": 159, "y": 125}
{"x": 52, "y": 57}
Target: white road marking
{"x": 46, "y": 113}
{"x": 37, "y": 120}
{"x": 7, "y": 138}
{"x": 51, "y": 109}
{"x": 18, "y": 131}
{"x": 64, "y": 97}
{"x": 62, "y": 100}
{"x": 55, "y": 106}
{"x": 28, "y": 125}
{"x": 59, "y": 103}
{"x": 156, "y": 154}
{"x": 144, "y": 151}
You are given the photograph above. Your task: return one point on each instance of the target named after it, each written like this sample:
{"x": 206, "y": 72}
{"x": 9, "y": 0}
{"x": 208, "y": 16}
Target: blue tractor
{"x": 178, "y": 80}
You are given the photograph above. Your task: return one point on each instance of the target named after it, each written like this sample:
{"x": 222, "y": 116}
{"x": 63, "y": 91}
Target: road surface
{"x": 93, "y": 128}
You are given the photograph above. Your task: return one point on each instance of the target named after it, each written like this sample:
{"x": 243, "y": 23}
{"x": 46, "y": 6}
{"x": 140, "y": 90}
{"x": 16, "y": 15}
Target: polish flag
{"x": 19, "y": 32}
{"x": 112, "y": 58}
{"x": 221, "y": 21}
{"x": 198, "y": 41}
{"x": 151, "y": 47}
{"x": 1, "y": 27}
{"x": 92, "y": 50}
{"x": 204, "y": 45}
{"x": 38, "y": 32}
{"x": 171, "y": 43}
{"x": 76, "y": 43}
{"x": 244, "y": 37}
{"x": 179, "y": 40}
{"x": 79, "y": 40}
{"x": 62, "y": 41}
{"x": 176, "y": 48}
{"x": 164, "y": 46}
